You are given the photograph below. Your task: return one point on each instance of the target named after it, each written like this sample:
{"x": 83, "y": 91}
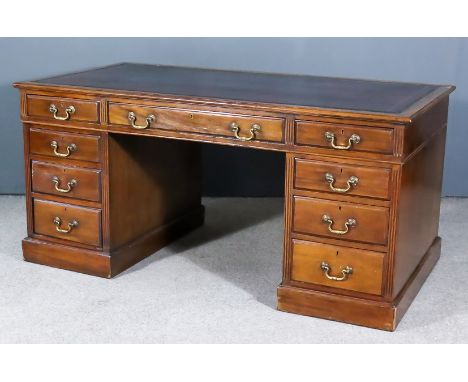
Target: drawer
{"x": 62, "y": 109}
{"x": 344, "y": 137}
{"x": 343, "y": 179}
{"x": 67, "y": 222}
{"x": 192, "y": 121}
{"x": 339, "y": 220}
{"x": 338, "y": 267}
{"x": 73, "y": 182}
{"x": 64, "y": 145}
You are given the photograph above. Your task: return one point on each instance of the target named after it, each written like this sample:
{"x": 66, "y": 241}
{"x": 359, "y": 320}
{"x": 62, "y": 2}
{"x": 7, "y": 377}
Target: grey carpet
{"x": 216, "y": 285}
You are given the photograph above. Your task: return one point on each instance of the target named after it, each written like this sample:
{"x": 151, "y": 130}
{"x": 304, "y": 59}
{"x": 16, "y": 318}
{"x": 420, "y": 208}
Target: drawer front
{"x": 190, "y": 121}
{"x": 67, "y": 222}
{"x": 62, "y": 109}
{"x": 338, "y": 267}
{"x": 342, "y": 179}
{"x": 73, "y": 182}
{"x": 64, "y": 145}
{"x": 344, "y": 137}
{"x": 339, "y": 220}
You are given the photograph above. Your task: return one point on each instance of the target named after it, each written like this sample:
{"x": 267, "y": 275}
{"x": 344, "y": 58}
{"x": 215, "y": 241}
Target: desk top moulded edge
{"x": 404, "y": 117}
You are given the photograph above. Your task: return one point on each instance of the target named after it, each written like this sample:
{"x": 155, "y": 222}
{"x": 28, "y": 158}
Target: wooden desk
{"x": 364, "y": 163}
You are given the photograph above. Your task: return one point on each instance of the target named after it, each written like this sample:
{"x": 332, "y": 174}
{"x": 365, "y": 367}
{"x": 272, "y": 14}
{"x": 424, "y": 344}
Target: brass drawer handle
{"x": 345, "y": 272}
{"x": 352, "y": 182}
{"x": 58, "y": 223}
{"x": 72, "y": 183}
{"x": 149, "y": 120}
{"x": 70, "y": 148}
{"x": 353, "y": 139}
{"x": 253, "y": 131}
{"x": 68, "y": 111}
{"x": 349, "y": 223}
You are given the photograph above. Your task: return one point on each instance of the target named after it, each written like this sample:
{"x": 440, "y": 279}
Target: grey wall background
{"x": 236, "y": 171}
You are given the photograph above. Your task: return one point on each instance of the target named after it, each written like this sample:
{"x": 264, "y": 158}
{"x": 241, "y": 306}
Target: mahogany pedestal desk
{"x": 113, "y": 173}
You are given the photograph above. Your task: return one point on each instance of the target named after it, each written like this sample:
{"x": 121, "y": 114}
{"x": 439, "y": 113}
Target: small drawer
{"x": 67, "y": 222}
{"x": 64, "y": 145}
{"x": 73, "y": 182}
{"x": 342, "y": 179}
{"x": 234, "y": 126}
{"x": 338, "y": 267}
{"x": 62, "y": 109}
{"x": 339, "y": 220}
{"x": 344, "y": 137}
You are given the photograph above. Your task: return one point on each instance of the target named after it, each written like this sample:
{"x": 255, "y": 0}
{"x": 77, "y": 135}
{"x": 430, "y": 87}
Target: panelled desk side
{"x": 362, "y": 188}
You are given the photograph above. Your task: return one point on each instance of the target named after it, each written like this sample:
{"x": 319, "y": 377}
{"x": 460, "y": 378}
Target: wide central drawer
{"x": 67, "y": 222}
{"x": 339, "y": 220}
{"x": 338, "y": 267}
{"x": 236, "y": 126}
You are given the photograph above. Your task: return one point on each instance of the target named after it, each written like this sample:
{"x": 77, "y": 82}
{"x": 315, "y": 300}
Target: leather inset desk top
{"x": 296, "y": 90}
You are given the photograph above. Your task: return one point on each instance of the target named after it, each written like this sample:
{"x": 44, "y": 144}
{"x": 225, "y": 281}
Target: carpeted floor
{"x": 216, "y": 285}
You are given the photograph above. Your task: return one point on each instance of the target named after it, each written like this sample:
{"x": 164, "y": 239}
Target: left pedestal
{"x": 98, "y": 203}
